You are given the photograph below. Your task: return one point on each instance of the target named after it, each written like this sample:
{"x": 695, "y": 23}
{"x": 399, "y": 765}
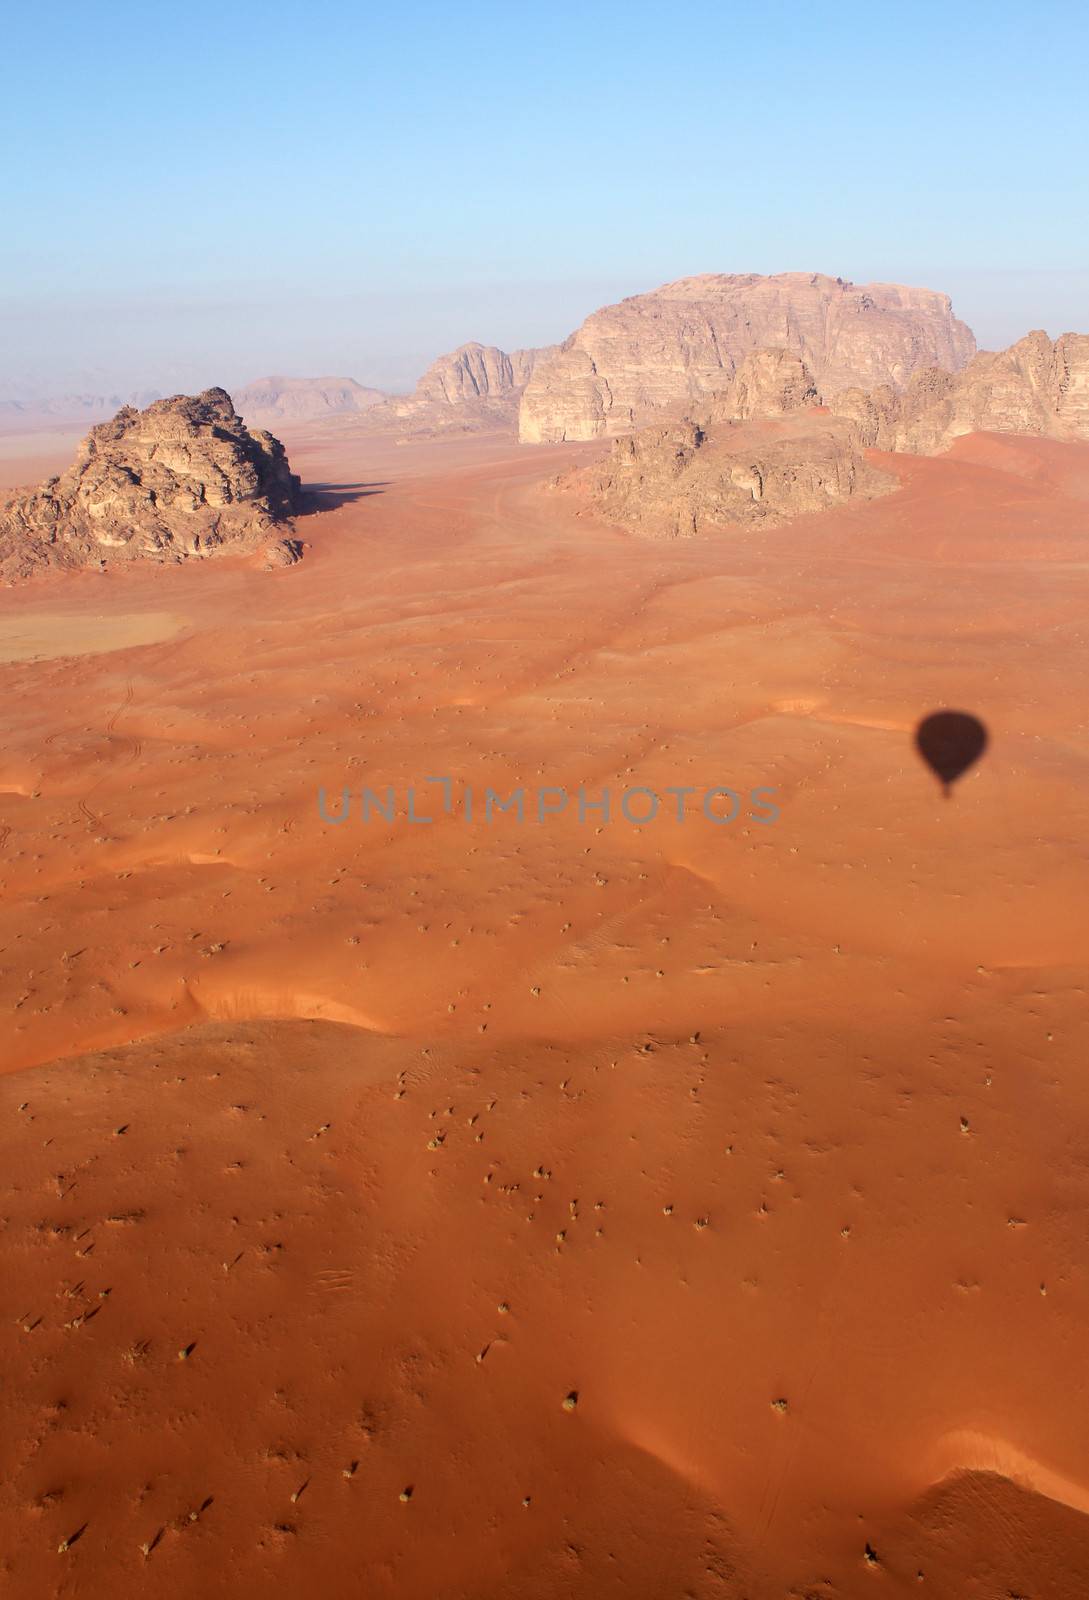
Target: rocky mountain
{"x": 767, "y": 447}
{"x": 656, "y": 355}
{"x": 477, "y": 372}
{"x": 1037, "y": 386}
{"x": 688, "y": 478}
{"x": 473, "y": 388}
{"x": 280, "y": 399}
{"x": 768, "y": 383}
{"x": 183, "y": 479}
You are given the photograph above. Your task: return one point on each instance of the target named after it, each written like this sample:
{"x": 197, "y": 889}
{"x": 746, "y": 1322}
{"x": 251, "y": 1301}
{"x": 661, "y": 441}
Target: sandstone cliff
{"x": 687, "y": 478}
{"x": 476, "y": 372}
{"x": 657, "y": 355}
{"x": 183, "y": 479}
{"x": 768, "y": 383}
{"x": 474, "y": 387}
{"x": 1036, "y": 387}
{"x": 279, "y": 399}
{"x": 766, "y": 448}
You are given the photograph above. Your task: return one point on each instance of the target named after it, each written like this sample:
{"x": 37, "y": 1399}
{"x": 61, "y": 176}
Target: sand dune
{"x": 966, "y": 1451}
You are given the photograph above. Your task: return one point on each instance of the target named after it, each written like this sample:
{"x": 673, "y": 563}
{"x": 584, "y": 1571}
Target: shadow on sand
{"x": 328, "y": 496}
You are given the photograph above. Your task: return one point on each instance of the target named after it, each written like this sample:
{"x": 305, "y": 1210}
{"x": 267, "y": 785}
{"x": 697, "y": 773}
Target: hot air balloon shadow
{"x": 950, "y": 742}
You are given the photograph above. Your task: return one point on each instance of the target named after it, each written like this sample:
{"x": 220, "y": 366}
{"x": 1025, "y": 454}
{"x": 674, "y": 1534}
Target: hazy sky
{"x": 198, "y": 192}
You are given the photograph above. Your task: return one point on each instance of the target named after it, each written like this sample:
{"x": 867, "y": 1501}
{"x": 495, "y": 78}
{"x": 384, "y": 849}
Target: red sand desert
{"x": 505, "y": 1212}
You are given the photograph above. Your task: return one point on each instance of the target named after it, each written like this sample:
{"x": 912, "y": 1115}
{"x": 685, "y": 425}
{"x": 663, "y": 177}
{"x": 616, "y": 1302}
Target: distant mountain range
{"x": 303, "y": 399}
{"x": 664, "y": 356}
{"x": 32, "y": 408}
{"x": 473, "y": 387}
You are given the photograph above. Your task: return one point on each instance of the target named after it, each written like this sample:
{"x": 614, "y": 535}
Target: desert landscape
{"x": 488, "y": 1206}
{"x": 544, "y": 798}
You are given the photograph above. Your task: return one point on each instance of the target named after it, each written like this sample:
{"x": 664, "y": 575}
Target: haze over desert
{"x": 543, "y": 953}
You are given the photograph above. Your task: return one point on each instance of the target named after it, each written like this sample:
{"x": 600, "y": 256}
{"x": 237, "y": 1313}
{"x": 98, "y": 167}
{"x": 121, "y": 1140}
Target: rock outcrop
{"x": 768, "y": 447}
{"x": 687, "y": 478}
{"x": 658, "y": 355}
{"x": 475, "y": 388}
{"x": 768, "y": 383}
{"x": 183, "y": 479}
{"x": 303, "y": 399}
{"x": 476, "y": 372}
{"x": 1037, "y": 386}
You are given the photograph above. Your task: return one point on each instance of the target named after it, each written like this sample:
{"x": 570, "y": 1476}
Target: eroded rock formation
{"x": 768, "y": 383}
{"x": 476, "y": 372}
{"x": 688, "y": 478}
{"x": 183, "y": 479}
{"x": 1037, "y": 386}
{"x": 474, "y": 388}
{"x": 768, "y": 447}
{"x": 659, "y": 355}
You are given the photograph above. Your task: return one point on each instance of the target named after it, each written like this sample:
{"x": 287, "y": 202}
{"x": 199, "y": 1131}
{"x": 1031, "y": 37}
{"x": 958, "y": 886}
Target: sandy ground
{"x": 340, "y": 1155}
{"x": 26, "y": 458}
{"x": 41, "y": 636}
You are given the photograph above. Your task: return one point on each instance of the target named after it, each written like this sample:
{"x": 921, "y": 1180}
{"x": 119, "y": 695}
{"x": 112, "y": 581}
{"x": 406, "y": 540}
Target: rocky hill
{"x": 279, "y": 399}
{"x": 1037, "y": 386}
{"x": 689, "y": 478}
{"x": 658, "y": 355}
{"x": 767, "y": 448}
{"x": 183, "y": 479}
{"x": 768, "y": 383}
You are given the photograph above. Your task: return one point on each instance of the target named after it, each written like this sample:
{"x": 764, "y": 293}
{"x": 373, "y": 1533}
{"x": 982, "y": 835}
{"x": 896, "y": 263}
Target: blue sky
{"x": 205, "y": 192}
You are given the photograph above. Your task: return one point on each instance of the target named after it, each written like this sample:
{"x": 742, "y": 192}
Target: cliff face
{"x": 303, "y": 399}
{"x": 767, "y": 448}
{"x": 656, "y": 355}
{"x": 474, "y": 388}
{"x": 768, "y": 383}
{"x": 1036, "y": 387}
{"x": 476, "y": 372}
{"x": 183, "y": 479}
{"x": 686, "y": 478}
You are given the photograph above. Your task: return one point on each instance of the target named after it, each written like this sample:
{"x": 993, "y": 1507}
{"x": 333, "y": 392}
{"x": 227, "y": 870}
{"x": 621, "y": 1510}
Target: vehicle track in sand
{"x": 92, "y": 818}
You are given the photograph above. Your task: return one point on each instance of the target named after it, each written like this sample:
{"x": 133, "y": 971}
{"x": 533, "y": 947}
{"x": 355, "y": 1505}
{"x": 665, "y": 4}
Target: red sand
{"x": 726, "y": 1117}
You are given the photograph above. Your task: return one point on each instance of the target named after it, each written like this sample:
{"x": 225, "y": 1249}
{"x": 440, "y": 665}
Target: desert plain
{"x": 507, "y": 1211}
